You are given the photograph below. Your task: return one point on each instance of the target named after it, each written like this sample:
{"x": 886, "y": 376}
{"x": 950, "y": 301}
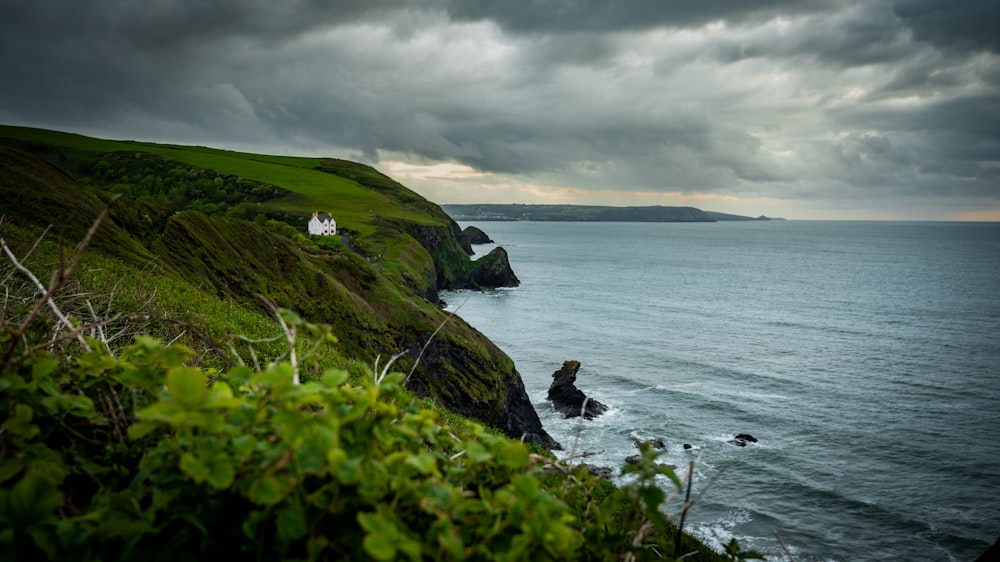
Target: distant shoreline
{"x": 588, "y": 213}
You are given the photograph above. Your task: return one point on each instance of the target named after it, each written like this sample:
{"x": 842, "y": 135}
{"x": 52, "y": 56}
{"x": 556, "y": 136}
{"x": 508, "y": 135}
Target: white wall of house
{"x": 325, "y": 226}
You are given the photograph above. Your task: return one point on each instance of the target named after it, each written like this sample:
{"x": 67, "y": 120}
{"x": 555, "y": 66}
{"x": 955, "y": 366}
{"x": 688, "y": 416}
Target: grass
{"x": 354, "y": 205}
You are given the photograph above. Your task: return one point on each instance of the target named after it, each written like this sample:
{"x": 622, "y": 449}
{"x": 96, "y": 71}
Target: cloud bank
{"x": 867, "y": 109}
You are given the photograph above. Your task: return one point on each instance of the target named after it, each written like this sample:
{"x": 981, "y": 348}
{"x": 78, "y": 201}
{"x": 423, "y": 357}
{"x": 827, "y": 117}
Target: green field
{"x": 353, "y": 205}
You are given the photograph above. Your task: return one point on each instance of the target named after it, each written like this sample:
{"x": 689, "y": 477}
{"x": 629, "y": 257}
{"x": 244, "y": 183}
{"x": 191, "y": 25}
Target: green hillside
{"x": 207, "y": 381}
{"x": 232, "y": 227}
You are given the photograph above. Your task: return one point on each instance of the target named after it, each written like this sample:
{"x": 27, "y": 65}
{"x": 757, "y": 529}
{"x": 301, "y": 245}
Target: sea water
{"x": 863, "y": 356}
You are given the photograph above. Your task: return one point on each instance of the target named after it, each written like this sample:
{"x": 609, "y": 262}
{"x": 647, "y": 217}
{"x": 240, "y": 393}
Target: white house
{"x": 326, "y": 226}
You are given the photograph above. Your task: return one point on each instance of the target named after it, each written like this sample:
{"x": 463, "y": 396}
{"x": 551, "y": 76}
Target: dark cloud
{"x": 968, "y": 25}
{"x": 772, "y": 99}
{"x": 540, "y": 16}
{"x": 166, "y": 24}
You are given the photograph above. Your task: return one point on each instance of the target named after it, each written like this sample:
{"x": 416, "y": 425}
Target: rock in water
{"x": 476, "y": 236}
{"x": 493, "y": 270}
{"x": 567, "y": 399}
{"x": 604, "y": 472}
{"x": 742, "y": 439}
{"x": 654, "y": 443}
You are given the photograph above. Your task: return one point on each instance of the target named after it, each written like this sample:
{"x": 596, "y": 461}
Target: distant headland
{"x": 581, "y": 213}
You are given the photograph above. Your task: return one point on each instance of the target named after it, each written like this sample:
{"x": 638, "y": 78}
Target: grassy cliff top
{"x": 356, "y": 194}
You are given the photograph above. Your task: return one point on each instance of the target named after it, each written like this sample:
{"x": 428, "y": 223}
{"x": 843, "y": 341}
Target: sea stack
{"x": 567, "y": 399}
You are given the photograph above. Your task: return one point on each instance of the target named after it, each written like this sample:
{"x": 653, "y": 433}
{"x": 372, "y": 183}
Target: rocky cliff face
{"x": 369, "y": 312}
{"x": 454, "y": 268}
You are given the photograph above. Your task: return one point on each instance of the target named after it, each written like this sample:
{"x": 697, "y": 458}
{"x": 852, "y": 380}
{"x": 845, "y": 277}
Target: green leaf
{"x": 20, "y": 422}
{"x": 244, "y": 445}
{"x": 221, "y": 396}
{"x": 240, "y": 375}
{"x": 290, "y": 317}
{"x": 80, "y": 405}
{"x": 50, "y": 467}
{"x": 141, "y": 429}
{"x": 513, "y": 454}
{"x": 382, "y": 538}
{"x": 49, "y": 387}
{"x": 668, "y": 471}
{"x": 267, "y": 490}
{"x": 167, "y": 412}
{"x": 334, "y": 377}
{"x": 253, "y": 521}
{"x": 9, "y": 468}
{"x": 222, "y": 473}
{"x": 652, "y": 496}
{"x": 292, "y": 523}
{"x": 316, "y": 546}
{"x": 276, "y": 377}
{"x": 194, "y": 467}
{"x": 43, "y": 368}
{"x": 476, "y": 451}
{"x": 426, "y": 463}
{"x": 11, "y": 381}
{"x": 381, "y": 546}
{"x": 187, "y": 386}
{"x": 311, "y": 457}
{"x": 31, "y": 500}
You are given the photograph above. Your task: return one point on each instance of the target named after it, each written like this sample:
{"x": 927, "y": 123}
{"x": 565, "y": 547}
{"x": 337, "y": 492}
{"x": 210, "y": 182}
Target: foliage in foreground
{"x": 140, "y": 456}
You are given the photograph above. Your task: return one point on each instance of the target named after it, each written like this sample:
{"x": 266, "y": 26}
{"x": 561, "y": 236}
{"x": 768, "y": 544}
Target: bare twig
{"x": 30, "y": 250}
{"x": 46, "y": 299}
{"x": 98, "y": 326}
{"x": 259, "y": 340}
{"x": 784, "y": 546}
{"x": 424, "y": 348}
{"x": 290, "y": 333}
{"x": 684, "y": 510}
{"x": 111, "y": 413}
{"x": 67, "y": 336}
{"x": 58, "y": 280}
{"x": 645, "y": 530}
{"x": 385, "y": 370}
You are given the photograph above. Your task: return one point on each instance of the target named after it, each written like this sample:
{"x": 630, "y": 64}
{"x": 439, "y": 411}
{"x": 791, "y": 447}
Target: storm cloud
{"x": 808, "y": 108}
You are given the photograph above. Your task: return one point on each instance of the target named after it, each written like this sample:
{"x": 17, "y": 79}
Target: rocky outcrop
{"x": 520, "y": 420}
{"x": 476, "y": 236}
{"x": 493, "y": 270}
{"x": 567, "y": 398}
{"x": 656, "y": 443}
{"x": 742, "y": 439}
{"x": 604, "y": 472}
{"x": 453, "y": 269}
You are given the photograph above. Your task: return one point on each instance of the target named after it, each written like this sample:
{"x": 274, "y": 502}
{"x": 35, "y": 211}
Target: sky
{"x": 808, "y": 109}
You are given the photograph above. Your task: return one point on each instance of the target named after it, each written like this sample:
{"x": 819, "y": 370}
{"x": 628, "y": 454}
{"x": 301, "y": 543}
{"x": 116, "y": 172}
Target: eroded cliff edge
{"x": 379, "y": 295}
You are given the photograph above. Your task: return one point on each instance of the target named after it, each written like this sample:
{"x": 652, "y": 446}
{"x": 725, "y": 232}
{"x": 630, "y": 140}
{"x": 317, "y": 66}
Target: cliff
{"x": 229, "y": 227}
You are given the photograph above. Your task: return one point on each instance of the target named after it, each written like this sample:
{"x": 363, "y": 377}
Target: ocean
{"x": 863, "y": 356}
